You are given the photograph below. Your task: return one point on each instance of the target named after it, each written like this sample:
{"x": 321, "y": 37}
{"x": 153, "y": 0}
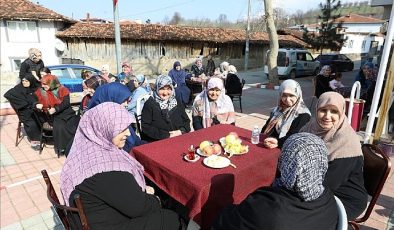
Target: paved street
{"x": 24, "y": 204}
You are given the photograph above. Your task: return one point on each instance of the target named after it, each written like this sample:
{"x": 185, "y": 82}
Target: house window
{"x": 22, "y": 31}
{"x": 350, "y": 44}
{"x": 16, "y": 63}
{"x": 363, "y": 44}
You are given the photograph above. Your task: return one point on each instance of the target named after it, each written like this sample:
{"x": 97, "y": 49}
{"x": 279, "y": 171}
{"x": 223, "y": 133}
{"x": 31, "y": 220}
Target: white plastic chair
{"x": 342, "y": 218}
{"x": 138, "y": 110}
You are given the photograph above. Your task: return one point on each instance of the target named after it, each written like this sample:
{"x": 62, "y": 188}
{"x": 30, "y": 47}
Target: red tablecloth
{"x": 205, "y": 191}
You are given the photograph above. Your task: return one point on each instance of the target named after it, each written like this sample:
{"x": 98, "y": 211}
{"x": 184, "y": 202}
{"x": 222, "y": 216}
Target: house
{"x": 26, "y": 25}
{"x": 153, "y": 48}
{"x": 362, "y": 33}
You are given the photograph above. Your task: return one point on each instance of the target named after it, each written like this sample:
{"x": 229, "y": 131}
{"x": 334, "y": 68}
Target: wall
{"x": 362, "y": 28}
{"x": 153, "y": 57}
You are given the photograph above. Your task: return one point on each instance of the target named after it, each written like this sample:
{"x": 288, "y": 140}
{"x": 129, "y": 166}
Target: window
{"x": 363, "y": 44}
{"x": 22, "y": 31}
{"x": 350, "y": 44}
{"x": 16, "y": 64}
{"x": 61, "y": 73}
{"x": 309, "y": 57}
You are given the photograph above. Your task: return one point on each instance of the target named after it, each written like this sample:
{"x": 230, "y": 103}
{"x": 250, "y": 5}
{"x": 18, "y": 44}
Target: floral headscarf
{"x": 161, "y": 81}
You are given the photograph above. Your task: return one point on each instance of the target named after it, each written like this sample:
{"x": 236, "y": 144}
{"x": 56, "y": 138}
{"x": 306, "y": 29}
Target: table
{"x": 203, "y": 190}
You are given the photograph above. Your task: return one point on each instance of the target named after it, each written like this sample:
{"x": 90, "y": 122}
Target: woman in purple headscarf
{"x": 109, "y": 181}
{"x": 178, "y": 76}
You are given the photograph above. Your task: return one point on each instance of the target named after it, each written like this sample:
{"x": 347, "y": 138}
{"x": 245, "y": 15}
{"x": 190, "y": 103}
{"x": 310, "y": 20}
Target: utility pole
{"x": 247, "y": 38}
{"x": 117, "y": 37}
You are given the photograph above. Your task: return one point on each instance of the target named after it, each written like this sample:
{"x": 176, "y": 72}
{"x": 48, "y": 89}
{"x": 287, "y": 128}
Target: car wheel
{"x": 292, "y": 74}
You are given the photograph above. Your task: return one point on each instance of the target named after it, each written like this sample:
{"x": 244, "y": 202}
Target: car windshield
{"x": 61, "y": 73}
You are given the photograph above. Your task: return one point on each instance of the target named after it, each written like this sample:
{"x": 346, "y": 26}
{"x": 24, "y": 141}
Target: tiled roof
{"x": 171, "y": 33}
{"x": 26, "y": 10}
{"x": 356, "y": 18}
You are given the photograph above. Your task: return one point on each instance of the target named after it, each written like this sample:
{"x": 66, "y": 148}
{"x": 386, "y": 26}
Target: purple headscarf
{"x": 93, "y": 151}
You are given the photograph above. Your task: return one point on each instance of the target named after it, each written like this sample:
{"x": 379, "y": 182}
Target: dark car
{"x": 70, "y": 75}
{"x": 338, "y": 62}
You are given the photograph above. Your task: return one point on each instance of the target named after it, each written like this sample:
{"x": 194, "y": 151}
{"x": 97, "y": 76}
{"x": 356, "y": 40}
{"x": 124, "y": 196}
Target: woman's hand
{"x": 150, "y": 190}
{"x": 270, "y": 142}
{"x": 39, "y": 106}
{"x": 52, "y": 111}
{"x": 175, "y": 133}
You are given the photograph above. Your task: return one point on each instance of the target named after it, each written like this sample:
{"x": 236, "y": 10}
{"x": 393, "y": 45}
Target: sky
{"x": 158, "y": 10}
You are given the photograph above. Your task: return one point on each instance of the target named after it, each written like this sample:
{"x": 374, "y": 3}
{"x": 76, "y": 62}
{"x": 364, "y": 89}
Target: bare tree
{"x": 274, "y": 44}
{"x": 176, "y": 19}
{"x": 298, "y": 17}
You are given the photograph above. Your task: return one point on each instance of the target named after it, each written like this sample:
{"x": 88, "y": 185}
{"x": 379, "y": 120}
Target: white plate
{"x": 201, "y": 153}
{"x": 196, "y": 158}
{"x": 216, "y": 162}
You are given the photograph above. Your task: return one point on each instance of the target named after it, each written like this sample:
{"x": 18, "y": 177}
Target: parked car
{"x": 70, "y": 75}
{"x": 338, "y": 62}
{"x": 295, "y": 62}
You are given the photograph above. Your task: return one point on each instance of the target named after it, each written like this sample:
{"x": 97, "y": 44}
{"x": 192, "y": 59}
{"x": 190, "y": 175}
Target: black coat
{"x": 233, "y": 84}
{"x": 277, "y": 208}
{"x": 114, "y": 200}
{"x": 23, "y": 101}
{"x": 156, "y": 124}
{"x": 295, "y": 127}
{"x": 322, "y": 85}
{"x": 28, "y": 66}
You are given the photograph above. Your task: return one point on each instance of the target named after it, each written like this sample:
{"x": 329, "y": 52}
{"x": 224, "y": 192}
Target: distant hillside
{"x": 361, "y": 8}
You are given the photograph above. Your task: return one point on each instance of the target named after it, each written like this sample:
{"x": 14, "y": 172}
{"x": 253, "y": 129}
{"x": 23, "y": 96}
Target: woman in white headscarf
{"x": 212, "y": 106}
{"x": 288, "y": 117}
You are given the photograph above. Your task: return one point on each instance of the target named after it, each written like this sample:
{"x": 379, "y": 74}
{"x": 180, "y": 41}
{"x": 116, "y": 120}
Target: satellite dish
{"x": 59, "y": 45}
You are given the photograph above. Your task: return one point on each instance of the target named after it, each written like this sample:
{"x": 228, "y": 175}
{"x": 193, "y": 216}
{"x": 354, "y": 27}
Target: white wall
{"x": 46, "y": 33}
{"x": 357, "y": 40}
{"x": 362, "y": 28}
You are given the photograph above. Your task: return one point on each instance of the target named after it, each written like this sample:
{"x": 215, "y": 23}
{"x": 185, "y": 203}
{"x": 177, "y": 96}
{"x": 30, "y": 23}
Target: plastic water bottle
{"x": 255, "y": 135}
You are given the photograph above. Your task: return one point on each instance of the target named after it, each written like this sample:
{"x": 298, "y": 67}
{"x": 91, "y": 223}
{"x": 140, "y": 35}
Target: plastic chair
{"x": 342, "y": 218}
{"x": 46, "y": 129}
{"x": 138, "y": 110}
{"x": 65, "y": 212}
{"x": 238, "y": 96}
{"x": 377, "y": 167}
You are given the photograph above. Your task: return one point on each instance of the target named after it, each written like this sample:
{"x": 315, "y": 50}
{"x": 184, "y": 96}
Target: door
{"x": 310, "y": 64}
{"x": 302, "y": 64}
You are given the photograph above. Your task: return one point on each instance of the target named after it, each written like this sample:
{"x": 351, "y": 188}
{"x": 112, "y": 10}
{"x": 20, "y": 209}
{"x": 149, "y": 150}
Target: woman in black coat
{"x": 22, "y": 100}
{"x": 322, "y": 81}
{"x": 32, "y": 65}
{"x": 163, "y": 115}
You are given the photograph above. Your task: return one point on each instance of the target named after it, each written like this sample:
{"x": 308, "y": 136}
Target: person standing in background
{"x": 32, "y": 65}
{"x": 210, "y": 66}
{"x": 126, "y": 71}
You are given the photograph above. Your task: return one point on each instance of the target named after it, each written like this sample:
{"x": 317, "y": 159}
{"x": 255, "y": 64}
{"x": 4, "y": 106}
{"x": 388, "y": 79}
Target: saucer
{"x": 196, "y": 158}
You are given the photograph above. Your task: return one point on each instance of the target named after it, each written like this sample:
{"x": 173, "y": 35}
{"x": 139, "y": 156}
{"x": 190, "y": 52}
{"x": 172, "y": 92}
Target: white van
{"x": 294, "y": 62}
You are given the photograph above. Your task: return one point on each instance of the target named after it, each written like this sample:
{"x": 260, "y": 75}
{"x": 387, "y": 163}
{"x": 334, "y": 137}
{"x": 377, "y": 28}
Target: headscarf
{"x": 161, "y": 81}
{"x": 34, "y": 54}
{"x": 94, "y": 82}
{"x": 341, "y": 140}
{"x": 177, "y": 76}
{"x": 198, "y": 63}
{"x": 223, "y": 103}
{"x": 112, "y": 92}
{"x": 56, "y": 93}
{"x": 323, "y": 70}
{"x": 33, "y": 83}
{"x": 93, "y": 152}
{"x": 303, "y": 165}
{"x": 232, "y": 69}
{"x": 282, "y": 118}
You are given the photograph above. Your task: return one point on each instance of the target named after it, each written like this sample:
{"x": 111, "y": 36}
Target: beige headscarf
{"x": 341, "y": 140}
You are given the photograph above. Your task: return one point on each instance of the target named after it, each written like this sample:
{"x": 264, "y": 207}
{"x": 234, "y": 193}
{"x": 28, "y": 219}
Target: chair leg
{"x": 18, "y": 133}
{"x": 240, "y": 103}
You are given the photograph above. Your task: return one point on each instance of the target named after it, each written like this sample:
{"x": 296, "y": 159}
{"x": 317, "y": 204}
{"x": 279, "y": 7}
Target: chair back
{"x": 65, "y": 212}
{"x": 377, "y": 167}
{"x": 140, "y": 104}
{"x": 342, "y": 216}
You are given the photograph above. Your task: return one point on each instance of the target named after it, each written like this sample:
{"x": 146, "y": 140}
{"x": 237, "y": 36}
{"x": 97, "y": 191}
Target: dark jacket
{"x": 322, "y": 85}
{"x": 277, "y": 208}
{"x": 114, "y": 200}
{"x": 28, "y": 66}
{"x": 156, "y": 124}
{"x": 233, "y": 84}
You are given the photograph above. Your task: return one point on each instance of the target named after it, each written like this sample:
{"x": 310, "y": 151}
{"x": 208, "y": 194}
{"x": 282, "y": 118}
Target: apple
{"x": 217, "y": 148}
{"x": 234, "y": 134}
{"x": 209, "y": 150}
{"x": 204, "y": 144}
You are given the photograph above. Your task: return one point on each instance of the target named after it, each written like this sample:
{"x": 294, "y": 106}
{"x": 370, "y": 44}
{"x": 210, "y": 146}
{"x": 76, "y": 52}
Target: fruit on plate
{"x": 208, "y": 148}
{"x": 232, "y": 144}
{"x": 204, "y": 144}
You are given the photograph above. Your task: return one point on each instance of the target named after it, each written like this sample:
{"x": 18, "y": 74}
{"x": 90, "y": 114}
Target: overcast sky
{"x": 157, "y": 10}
